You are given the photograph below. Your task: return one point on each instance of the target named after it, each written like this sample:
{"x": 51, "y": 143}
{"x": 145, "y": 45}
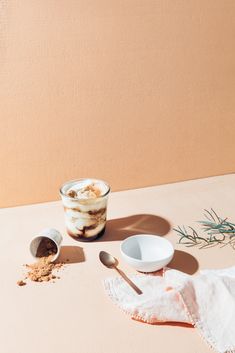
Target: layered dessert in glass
{"x": 85, "y": 206}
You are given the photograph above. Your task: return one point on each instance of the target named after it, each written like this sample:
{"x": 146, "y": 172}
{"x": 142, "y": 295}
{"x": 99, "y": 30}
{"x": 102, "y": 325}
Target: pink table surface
{"x": 74, "y": 314}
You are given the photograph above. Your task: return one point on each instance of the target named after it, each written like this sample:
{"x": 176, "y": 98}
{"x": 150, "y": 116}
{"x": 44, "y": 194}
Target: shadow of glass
{"x": 71, "y": 254}
{"x": 122, "y": 228}
{"x": 184, "y": 262}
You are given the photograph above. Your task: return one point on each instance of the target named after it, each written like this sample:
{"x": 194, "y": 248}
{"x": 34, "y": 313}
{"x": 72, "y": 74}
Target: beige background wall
{"x": 135, "y": 92}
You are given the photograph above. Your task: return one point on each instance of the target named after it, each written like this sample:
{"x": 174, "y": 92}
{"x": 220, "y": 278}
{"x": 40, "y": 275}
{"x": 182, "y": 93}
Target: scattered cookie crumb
{"x": 21, "y": 283}
{"x": 42, "y": 270}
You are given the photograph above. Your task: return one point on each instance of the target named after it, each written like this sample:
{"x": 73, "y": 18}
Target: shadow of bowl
{"x": 184, "y": 262}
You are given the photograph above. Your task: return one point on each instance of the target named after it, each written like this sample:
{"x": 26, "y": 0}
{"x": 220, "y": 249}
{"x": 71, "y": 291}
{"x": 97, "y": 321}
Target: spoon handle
{"x": 133, "y": 286}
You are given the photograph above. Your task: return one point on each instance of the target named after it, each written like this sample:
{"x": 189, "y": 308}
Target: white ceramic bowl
{"x": 146, "y": 252}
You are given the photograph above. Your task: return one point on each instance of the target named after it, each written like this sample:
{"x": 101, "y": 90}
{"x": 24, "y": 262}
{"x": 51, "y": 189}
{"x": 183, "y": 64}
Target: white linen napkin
{"x": 206, "y": 300}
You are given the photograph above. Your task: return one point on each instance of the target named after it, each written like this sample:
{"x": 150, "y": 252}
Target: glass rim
{"x": 82, "y": 179}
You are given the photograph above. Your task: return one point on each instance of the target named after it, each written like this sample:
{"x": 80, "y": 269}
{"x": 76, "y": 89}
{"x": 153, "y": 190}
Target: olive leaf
{"x": 214, "y": 231}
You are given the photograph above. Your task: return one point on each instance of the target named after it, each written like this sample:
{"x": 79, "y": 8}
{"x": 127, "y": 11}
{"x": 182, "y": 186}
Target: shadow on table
{"x": 122, "y": 228}
{"x": 184, "y": 262}
{"x": 71, "y": 254}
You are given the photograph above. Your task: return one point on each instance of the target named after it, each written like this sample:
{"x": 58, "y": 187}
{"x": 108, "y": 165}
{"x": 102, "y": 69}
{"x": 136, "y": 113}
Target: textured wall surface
{"x": 137, "y": 92}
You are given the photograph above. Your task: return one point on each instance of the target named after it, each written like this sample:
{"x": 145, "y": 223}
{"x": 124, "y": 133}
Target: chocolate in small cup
{"x": 47, "y": 242}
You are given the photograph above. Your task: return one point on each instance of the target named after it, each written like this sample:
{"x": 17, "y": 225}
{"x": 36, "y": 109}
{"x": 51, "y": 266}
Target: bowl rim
{"x": 147, "y": 235}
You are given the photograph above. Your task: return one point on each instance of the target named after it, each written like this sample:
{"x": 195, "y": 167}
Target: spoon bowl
{"x": 108, "y": 260}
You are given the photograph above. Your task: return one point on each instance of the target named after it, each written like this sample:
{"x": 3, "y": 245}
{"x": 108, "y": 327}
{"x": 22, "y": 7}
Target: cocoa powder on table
{"x": 43, "y": 269}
